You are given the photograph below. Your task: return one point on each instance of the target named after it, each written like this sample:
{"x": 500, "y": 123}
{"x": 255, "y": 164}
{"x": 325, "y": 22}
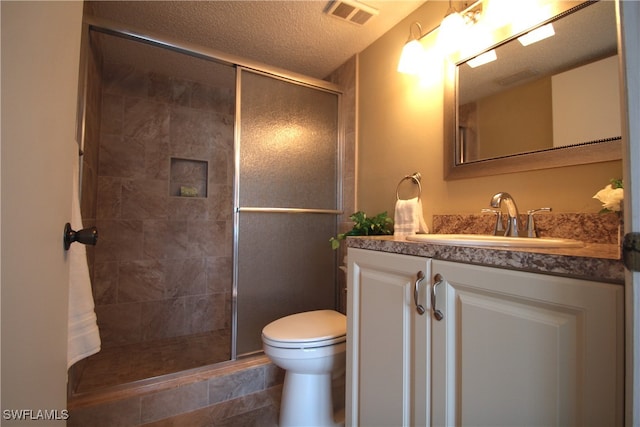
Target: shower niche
{"x": 188, "y": 177}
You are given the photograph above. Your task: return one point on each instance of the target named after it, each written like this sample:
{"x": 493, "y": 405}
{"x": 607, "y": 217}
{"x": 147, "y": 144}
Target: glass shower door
{"x": 287, "y": 202}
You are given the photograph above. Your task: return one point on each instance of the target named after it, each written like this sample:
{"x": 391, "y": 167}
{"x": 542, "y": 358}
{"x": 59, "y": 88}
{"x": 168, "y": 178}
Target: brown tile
{"x": 257, "y": 409}
{"x": 109, "y": 197}
{"x": 185, "y": 277}
{"x": 206, "y": 313}
{"x": 141, "y": 281}
{"x": 167, "y": 239}
{"x": 274, "y": 375}
{"x": 221, "y": 167}
{"x": 205, "y": 238}
{"x": 159, "y": 87}
{"x": 188, "y": 208}
{"x": 105, "y": 283}
{"x": 119, "y": 240}
{"x": 191, "y": 127}
{"x": 124, "y": 413}
{"x": 163, "y": 319}
{"x": 145, "y": 121}
{"x": 174, "y": 401}
{"x": 119, "y": 323}
{"x": 125, "y": 363}
{"x": 120, "y": 156}
{"x": 124, "y": 79}
{"x": 236, "y": 385}
{"x": 145, "y": 199}
{"x": 219, "y": 274}
{"x": 156, "y": 159}
{"x": 247, "y": 403}
{"x": 220, "y": 202}
{"x": 207, "y": 97}
{"x": 262, "y": 417}
{"x": 112, "y": 114}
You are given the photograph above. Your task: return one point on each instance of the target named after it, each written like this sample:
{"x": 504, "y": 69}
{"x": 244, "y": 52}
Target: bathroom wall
{"x": 345, "y": 76}
{"x": 164, "y": 262}
{"x": 401, "y": 131}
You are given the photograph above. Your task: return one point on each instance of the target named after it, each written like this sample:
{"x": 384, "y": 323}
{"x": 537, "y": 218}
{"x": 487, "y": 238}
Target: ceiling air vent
{"x": 518, "y": 77}
{"x": 352, "y": 11}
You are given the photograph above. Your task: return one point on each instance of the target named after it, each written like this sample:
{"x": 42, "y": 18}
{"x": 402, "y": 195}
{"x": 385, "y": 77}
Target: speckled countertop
{"x": 595, "y": 261}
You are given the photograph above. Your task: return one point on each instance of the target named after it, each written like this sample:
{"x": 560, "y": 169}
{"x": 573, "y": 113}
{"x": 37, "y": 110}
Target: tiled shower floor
{"x": 132, "y": 362}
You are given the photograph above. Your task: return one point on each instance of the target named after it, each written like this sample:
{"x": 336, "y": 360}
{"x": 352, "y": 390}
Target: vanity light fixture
{"x": 536, "y": 35}
{"x": 482, "y": 59}
{"x": 413, "y": 56}
{"x": 451, "y": 30}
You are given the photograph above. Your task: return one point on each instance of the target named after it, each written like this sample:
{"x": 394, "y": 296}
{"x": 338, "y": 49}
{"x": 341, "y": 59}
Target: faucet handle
{"x": 531, "y": 226}
{"x": 498, "y": 229}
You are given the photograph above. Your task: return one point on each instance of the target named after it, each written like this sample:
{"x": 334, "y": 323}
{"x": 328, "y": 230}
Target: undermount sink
{"x": 489, "y": 240}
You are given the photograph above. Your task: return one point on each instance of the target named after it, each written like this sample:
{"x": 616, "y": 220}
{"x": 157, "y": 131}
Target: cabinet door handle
{"x": 419, "y": 308}
{"x": 436, "y": 313}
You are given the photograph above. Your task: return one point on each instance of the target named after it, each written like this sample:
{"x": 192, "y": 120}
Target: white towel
{"x": 408, "y": 218}
{"x": 83, "y": 335}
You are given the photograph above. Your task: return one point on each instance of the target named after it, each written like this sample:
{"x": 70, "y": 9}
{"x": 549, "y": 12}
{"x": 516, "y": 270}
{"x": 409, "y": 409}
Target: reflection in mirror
{"x": 551, "y": 103}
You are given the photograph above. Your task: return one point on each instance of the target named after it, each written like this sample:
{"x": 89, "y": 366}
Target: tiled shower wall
{"x": 163, "y": 264}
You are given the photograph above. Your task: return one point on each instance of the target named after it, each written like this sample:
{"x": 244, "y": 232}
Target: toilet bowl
{"x": 310, "y": 347}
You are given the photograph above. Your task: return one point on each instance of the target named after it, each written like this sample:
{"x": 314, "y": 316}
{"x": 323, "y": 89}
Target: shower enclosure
{"x": 215, "y": 188}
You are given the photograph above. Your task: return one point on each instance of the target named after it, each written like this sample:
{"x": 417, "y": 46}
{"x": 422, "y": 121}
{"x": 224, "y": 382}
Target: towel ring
{"x": 415, "y": 177}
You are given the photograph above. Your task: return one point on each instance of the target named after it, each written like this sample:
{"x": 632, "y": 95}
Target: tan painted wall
{"x": 401, "y": 132}
{"x": 40, "y": 52}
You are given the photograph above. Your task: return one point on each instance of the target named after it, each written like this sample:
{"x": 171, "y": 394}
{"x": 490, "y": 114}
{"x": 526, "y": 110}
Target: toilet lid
{"x": 307, "y": 327}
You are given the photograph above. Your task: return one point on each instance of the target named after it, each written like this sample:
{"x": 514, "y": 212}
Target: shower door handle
{"x": 86, "y": 236}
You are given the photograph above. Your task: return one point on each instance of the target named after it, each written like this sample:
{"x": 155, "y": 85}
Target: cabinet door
{"x": 387, "y": 340}
{"x": 523, "y": 349}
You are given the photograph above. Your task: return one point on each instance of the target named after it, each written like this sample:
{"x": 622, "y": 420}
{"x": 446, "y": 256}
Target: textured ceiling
{"x": 293, "y": 35}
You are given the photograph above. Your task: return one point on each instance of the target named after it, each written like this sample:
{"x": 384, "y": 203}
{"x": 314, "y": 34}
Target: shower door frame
{"x": 91, "y": 23}
{"x": 309, "y": 83}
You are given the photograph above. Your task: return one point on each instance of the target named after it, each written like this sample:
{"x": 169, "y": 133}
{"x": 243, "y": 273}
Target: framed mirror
{"x": 549, "y": 104}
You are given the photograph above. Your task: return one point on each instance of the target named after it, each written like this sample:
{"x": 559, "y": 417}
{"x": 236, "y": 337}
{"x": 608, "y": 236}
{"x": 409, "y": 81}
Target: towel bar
{"x": 415, "y": 177}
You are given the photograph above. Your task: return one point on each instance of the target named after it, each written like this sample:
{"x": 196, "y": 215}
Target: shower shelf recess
{"x": 188, "y": 178}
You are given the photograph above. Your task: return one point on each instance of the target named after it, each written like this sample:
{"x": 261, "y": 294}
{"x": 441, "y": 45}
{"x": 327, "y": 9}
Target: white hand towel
{"x": 408, "y": 219}
{"x": 83, "y": 335}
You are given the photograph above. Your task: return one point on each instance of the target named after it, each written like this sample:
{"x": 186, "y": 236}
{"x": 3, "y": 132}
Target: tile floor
{"x": 132, "y": 362}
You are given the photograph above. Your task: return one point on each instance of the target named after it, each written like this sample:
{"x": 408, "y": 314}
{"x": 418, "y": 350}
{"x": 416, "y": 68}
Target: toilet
{"x": 310, "y": 347}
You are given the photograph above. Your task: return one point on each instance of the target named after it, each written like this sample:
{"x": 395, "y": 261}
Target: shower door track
{"x": 291, "y": 210}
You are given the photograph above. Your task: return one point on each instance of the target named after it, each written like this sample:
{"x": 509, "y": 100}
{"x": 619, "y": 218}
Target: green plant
{"x": 378, "y": 225}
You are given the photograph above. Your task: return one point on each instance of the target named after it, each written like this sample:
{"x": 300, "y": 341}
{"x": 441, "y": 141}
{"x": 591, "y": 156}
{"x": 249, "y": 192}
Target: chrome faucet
{"x": 513, "y": 223}
{"x": 531, "y": 225}
{"x": 498, "y": 228}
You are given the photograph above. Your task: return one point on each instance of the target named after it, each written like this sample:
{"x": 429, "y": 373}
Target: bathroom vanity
{"x": 443, "y": 335}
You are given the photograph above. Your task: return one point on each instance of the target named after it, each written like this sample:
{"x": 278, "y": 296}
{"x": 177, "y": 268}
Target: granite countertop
{"x": 595, "y": 261}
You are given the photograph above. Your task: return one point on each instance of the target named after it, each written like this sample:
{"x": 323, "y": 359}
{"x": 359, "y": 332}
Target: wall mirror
{"x": 549, "y": 104}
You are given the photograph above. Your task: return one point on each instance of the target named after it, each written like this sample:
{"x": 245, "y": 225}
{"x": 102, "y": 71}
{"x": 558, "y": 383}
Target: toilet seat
{"x": 310, "y": 329}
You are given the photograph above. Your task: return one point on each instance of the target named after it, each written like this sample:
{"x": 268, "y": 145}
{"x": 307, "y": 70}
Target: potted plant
{"x": 363, "y": 225}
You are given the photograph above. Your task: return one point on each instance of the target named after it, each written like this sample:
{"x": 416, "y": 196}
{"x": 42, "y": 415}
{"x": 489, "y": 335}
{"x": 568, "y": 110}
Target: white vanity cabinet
{"x": 512, "y": 348}
{"x": 387, "y": 340}
{"x": 521, "y": 349}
